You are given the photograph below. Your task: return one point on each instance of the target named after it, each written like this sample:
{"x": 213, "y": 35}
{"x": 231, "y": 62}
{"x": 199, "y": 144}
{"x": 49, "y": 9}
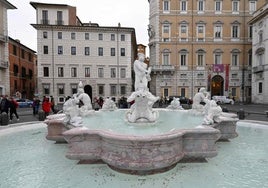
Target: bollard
{"x": 4, "y": 118}
{"x": 41, "y": 115}
{"x": 241, "y": 114}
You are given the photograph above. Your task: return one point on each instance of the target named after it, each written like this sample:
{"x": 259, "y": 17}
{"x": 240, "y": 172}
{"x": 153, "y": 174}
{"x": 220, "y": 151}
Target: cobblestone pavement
{"x": 252, "y": 112}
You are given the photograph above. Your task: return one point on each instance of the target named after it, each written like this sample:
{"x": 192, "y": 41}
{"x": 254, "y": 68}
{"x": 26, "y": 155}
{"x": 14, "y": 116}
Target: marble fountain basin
{"x": 140, "y": 153}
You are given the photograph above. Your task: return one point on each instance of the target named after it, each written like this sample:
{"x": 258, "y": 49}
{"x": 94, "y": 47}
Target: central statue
{"x": 141, "y": 110}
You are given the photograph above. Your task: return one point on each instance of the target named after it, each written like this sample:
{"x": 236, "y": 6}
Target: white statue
{"x": 212, "y": 111}
{"x": 142, "y": 74}
{"x": 175, "y": 104}
{"x": 71, "y": 110}
{"x": 109, "y": 104}
{"x": 84, "y": 101}
{"x": 141, "y": 110}
{"x": 199, "y": 98}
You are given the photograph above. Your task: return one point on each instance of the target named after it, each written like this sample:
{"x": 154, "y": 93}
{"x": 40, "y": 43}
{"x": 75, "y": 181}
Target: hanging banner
{"x": 227, "y": 77}
{"x": 218, "y": 68}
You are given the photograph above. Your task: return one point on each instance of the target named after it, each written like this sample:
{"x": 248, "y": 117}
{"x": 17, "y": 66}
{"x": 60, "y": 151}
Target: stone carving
{"x": 151, "y": 32}
{"x": 141, "y": 110}
{"x": 175, "y": 104}
{"x": 108, "y": 104}
{"x": 200, "y": 99}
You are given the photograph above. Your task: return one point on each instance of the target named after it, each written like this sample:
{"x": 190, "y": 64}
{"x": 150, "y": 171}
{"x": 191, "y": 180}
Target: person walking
{"x": 46, "y": 106}
{"x": 4, "y": 105}
{"x": 36, "y": 104}
{"x": 13, "y": 108}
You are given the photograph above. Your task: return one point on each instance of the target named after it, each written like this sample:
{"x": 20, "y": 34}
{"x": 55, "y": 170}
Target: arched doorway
{"x": 217, "y": 85}
{"x": 88, "y": 90}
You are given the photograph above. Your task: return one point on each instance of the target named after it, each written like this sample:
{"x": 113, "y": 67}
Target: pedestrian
{"x": 13, "y": 108}
{"x": 52, "y": 102}
{"x": 46, "y": 106}
{"x": 36, "y": 104}
{"x": 4, "y": 105}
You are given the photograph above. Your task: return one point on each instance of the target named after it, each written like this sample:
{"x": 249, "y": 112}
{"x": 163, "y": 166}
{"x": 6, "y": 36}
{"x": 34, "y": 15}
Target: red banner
{"x": 218, "y": 68}
{"x": 227, "y": 77}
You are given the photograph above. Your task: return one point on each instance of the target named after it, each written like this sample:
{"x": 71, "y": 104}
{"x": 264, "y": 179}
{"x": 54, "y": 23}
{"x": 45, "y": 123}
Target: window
{"x": 183, "y": 92}
{"x": 250, "y": 57}
{"x": 252, "y": 6}
{"x": 44, "y": 17}
{"x": 22, "y": 53}
{"x": 183, "y": 6}
{"x": 100, "y": 51}
{"x": 100, "y": 36}
{"x": 217, "y": 59}
{"x": 60, "y": 72}
{"x": 166, "y": 92}
{"x": 122, "y": 73}
{"x": 46, "y": 71}
{"x": 86, "y": 36}
{"x": 260, "y": 87}
{"x": 100, "y": 72}
{"x": 112, "y": 51}
{"x": 233, "y": 91}
{"x": 23, "y": 72}
{"x": 250, "y": 32}
{"x": 201, "y": 5}
{"x": 87, "y": 51}
{"x": 14, "y": 50}
{"x": 235, "y": 31}
{"x": 183, "y": 59}
{"x": 16, "y": 70}
{"x": 113, "y": 90}
{"x": 123, "y": 37}
{"x": 101, "y": 89}
{"x": 218, "y": 31}
{"x": 200, "y": 29}
{"x": 59, "y": 18}
{"x": 87, "y": 72}
{"x": 183, "y": 28}
{"x": 260, "y": 36}
{"x": 122, "y": 90}
{"x": 200, "y": 59}
{"x": 73, "y": 72}
{"x": 30, "y": 57}
{"x": 166, "y": 6}
{"x": 122, "y": 51}
{"x": 113, "y": 72}
{"x": 166, "y": 58}
{"x": 73, "y": 50}
{"x": 73, "y": 36}
{"x": 166, "y": 29}
{"x": 46, "y": 88}
{"x": 59, "y": 35}
{"x": 74, "y": 88}
{"x": 61, "y": 89}
{"x": 218, "y": 5}
{"x": 45, "y": 49}
{"x": 235, "y": 6}
{"x": 234, "y": 59}
{"x": 60, "y": 50}
{"x": 45, "y": 35}
{"x": 112, "y": 37}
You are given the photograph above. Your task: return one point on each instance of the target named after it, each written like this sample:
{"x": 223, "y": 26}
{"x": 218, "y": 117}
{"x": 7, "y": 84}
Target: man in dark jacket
{"x": 4, "y": 105}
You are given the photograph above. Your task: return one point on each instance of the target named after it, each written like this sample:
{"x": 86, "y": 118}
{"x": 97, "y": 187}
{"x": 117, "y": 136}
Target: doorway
{"x": 217, "y": 85}
{"x": 88, "y": 90}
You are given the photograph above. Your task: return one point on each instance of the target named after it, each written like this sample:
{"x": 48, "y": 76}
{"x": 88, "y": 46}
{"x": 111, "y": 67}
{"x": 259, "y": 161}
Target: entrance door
{"x": 88, "y": 90}
{"x": 217, "y": 85}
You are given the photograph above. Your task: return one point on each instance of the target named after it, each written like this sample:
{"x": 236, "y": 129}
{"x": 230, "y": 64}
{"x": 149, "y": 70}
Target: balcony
{"x": 3, "y": 38}
{"x": 3, "y": 64}
{"x": 45, "y": 22}
{"x": 257, "y": 69}
{"x": 59, "y": 22}
{"x": 163, "y": 68}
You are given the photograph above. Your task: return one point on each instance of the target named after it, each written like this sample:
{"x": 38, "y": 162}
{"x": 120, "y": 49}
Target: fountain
{"x": 134, "y": 153}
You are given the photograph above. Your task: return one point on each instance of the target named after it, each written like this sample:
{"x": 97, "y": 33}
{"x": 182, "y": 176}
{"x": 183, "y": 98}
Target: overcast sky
{"x": 130, "y": 13}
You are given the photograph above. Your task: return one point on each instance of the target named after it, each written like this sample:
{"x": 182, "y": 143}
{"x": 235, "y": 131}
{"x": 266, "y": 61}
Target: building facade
{"x": 22, "y": 64}
{"x": 201, "y": 43}
{"x": 70, "y": 51}
{"x": 259, "y": 24}
{"x": 4, "y": 64}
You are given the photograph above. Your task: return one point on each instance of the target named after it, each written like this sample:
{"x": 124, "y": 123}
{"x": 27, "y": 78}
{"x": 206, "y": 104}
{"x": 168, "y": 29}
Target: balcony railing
{"x": 45, "y": 21}
{"x": 3, "y": 64}
{"x": 257, "y": 69}
{"x": 163, "y": 68}
{"x": 59, "y": 22}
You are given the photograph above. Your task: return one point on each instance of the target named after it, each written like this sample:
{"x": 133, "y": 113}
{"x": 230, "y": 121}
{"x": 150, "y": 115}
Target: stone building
{"x": 22, "y": 64}
{"x": 201, "y": 43}
{"x": 259, "y": 24}
{"x": 70, "y": 51}
{"x": 4, "y": 64}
